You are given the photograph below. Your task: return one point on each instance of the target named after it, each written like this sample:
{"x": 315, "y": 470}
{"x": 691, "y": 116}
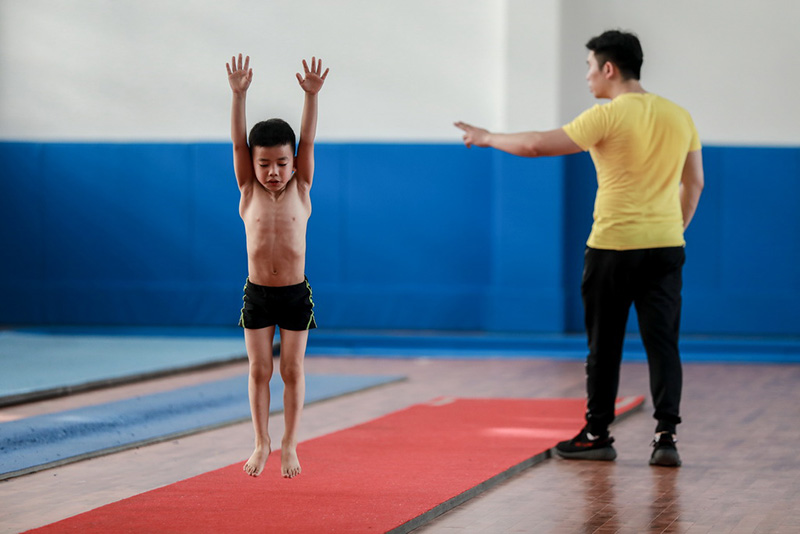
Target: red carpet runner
{"x": 395, "y": 472}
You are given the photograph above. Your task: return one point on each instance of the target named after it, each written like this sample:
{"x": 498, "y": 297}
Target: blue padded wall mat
{"x": 39, "y": 442}
{"x": 502, "y": 238}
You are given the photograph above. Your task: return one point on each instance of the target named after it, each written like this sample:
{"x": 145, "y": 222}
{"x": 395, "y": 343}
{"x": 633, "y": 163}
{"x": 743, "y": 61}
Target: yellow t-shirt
{"x": 639, "y": 143}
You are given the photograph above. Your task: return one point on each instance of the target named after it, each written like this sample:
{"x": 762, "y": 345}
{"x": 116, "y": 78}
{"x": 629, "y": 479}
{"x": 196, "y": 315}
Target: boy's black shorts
{"x": 289, "y": 307}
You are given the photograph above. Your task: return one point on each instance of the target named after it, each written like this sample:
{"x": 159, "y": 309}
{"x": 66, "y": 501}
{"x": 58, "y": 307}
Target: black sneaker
{"x": 665, "y": 452}
{"x": 586, "y": 446}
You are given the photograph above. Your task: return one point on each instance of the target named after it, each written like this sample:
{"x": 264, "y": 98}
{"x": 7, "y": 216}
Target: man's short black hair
{"x": 620, "y": 48}
{"x": 272, "y": 132}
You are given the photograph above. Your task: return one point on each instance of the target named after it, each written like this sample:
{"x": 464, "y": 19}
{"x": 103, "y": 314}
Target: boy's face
{"x": 274, "y": 166}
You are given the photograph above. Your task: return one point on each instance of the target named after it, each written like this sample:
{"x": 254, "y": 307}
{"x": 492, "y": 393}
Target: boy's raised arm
{"x": 311, "y": 83}
{"x": 239, "y": 78}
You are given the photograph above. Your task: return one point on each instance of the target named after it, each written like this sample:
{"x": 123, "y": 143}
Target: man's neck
{"x": 627, "y": 86}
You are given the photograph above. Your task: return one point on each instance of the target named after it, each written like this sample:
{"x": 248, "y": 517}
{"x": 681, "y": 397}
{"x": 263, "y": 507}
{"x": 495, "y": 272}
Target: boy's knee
{"x": 260, "y": 372}
{"x": 291, "y": 373}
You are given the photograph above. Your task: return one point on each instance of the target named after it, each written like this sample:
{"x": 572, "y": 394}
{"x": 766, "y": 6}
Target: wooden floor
{"x": 739, "y": 445}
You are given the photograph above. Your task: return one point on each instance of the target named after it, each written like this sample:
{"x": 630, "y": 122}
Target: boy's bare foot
{"x": 255, "y": 465}
{"x": 290, "y": 465}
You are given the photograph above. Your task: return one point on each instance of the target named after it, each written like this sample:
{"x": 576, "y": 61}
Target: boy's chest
{"x": 264, "y": 211}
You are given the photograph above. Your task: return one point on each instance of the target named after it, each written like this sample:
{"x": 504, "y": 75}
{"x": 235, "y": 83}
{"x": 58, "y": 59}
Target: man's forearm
{"x": 690, "y": 198}
{"x": 519, "y": 144}
{"x": 535, "y": 144}
{"x": 692, "y": 183}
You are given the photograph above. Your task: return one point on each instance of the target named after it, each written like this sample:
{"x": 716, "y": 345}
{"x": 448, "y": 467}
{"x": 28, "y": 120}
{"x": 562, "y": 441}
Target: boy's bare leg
{"x": 293, "y": 350}
{"x": 259, "y": 353}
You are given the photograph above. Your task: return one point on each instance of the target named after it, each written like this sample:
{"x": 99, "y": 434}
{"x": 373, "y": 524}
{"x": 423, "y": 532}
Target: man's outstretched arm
{"x": 528, "y": 144}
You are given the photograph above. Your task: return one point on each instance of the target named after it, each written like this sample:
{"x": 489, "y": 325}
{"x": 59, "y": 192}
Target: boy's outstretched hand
{"x": 312, "y": 82}
{"x": 239, "y": 76}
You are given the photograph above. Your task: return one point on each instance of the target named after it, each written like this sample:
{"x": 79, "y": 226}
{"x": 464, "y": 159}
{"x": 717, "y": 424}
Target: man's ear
{"x": 609, "y": 70}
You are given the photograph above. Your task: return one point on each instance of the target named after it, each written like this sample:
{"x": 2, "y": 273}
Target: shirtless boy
{"x": 275, "y": 206}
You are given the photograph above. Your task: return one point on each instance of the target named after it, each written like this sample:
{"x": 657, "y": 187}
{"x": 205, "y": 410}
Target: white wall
{"x": 121, "y": 70}
{"x": 531, "y": 58}
{"x": 155, "y": 69}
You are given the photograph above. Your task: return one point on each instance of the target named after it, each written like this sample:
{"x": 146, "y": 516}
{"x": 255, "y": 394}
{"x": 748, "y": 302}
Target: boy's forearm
{"x": 308, "y": 126}
{"x": 238, "y": 118}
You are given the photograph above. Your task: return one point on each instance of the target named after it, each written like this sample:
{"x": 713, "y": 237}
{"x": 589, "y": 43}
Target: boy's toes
{"x": 291, "y": 472}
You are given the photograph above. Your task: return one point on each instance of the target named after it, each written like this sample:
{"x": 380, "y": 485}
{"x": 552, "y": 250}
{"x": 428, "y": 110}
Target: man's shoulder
{"x": 589, "y": 114}
{"x": 666, "y": 103}
{"x": 652, "y": 104}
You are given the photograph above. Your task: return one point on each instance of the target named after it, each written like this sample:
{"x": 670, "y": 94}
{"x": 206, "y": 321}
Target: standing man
{"x": 649, "y": 165}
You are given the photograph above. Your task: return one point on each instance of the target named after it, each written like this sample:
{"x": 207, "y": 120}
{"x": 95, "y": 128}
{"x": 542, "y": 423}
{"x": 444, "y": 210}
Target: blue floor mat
{"x": 36, "y": 443}
{"x": 41, "y": 365}
{"x": 556, "y": 346}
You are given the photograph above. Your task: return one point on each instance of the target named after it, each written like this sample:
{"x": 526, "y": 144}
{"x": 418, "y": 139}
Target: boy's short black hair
{"x": 620, "y": 48}
{"x": 272, "y": 132}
